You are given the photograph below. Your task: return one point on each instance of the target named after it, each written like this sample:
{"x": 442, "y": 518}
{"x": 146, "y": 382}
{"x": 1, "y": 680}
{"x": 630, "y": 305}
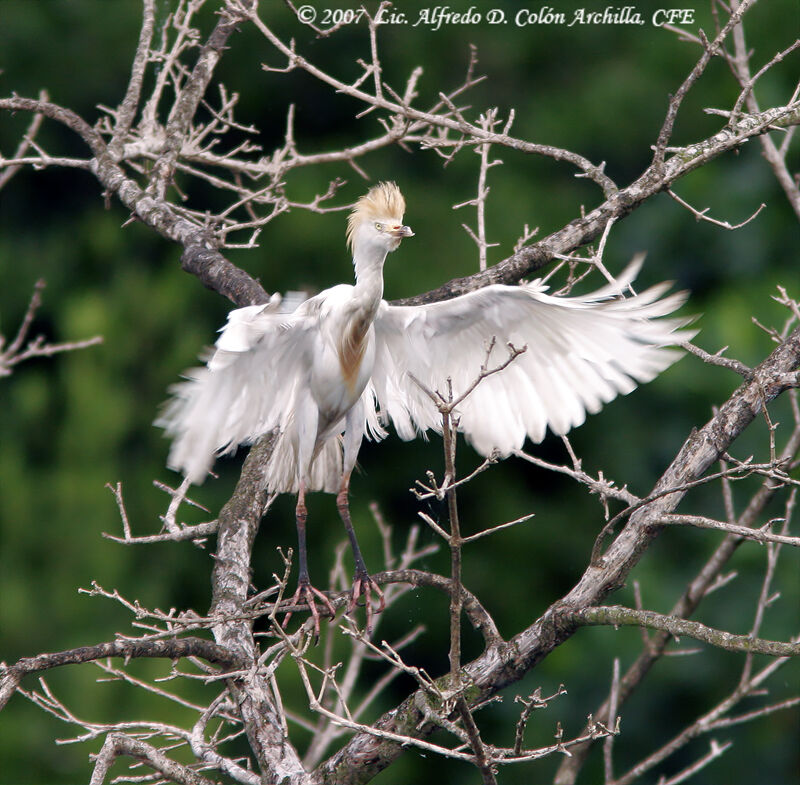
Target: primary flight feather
{"x": 320, "y": 375}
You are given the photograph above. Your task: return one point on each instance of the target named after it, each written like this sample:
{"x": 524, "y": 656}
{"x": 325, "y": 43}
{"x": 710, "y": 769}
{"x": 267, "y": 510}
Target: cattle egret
{"x": 345, "y": 362}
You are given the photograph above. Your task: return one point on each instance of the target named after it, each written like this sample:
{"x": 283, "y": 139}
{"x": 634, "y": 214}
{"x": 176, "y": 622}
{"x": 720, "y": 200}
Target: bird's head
{"x": 375, "y": 226}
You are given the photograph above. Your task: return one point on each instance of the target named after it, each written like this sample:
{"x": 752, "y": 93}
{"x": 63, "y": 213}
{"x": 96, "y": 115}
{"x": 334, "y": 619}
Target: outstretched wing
{"x": 581, "y": 352}
{"x": 246, "y": 389}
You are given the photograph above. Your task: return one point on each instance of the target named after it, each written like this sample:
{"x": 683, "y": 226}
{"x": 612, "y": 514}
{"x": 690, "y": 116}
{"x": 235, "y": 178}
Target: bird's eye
{"x": 379, "y": 227}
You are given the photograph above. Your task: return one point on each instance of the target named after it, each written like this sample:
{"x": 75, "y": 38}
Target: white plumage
{"x": 581, "y": 352}
{"x": 318, "y": 376}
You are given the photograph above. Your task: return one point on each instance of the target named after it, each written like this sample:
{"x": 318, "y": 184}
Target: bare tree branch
{"x": 14, "y": 353}
{"x": 10, "y": 675}
{"x": 709, "y": 51}
{"x": 117, "y": 744}
{"x": 18, "y": 160}
{"x": 616, "y": 615}
{"x": 759, "y": 535}
{"x": 585, "y": 229}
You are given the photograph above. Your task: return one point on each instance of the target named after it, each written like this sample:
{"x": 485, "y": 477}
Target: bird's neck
{"x": 368, "y": 290}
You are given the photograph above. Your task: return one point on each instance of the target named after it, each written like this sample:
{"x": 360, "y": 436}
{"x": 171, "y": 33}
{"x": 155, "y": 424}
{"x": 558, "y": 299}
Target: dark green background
{"x": 71, "y": 424}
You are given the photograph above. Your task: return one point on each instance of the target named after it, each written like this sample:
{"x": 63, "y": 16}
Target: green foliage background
{"x": 72, "y": 424}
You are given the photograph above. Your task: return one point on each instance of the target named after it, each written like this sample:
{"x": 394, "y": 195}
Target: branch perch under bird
{"x": 345, "y": 363}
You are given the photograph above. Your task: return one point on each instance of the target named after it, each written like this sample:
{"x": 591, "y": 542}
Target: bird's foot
{"x": 306, "y": 593}
{"x": 363, "y": 585}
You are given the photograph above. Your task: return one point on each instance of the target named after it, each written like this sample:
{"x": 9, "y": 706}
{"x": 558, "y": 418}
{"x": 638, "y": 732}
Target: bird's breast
{"x": 351, "y": 349}
{"x": 342, "y": 368}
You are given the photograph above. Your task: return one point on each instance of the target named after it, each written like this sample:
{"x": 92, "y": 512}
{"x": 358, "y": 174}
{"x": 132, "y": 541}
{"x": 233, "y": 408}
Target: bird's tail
{"x": 326, "y": 470}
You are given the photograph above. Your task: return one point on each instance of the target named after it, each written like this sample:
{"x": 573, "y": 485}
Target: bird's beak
{"x": 402, "y": 231}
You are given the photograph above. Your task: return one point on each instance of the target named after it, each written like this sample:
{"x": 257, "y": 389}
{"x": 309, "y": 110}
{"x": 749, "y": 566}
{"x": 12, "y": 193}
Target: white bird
{"x": 345, "y": 361}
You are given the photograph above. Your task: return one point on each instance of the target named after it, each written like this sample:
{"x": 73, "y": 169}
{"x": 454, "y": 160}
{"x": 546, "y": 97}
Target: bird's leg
{"x": 301, "y": 515}
{"x": 305, "y": 591}
{"x": 362, "y": 583}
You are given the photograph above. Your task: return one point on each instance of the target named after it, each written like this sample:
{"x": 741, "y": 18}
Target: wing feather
{"x": 581, "y": 352}
{"x": 246, "y": 389}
